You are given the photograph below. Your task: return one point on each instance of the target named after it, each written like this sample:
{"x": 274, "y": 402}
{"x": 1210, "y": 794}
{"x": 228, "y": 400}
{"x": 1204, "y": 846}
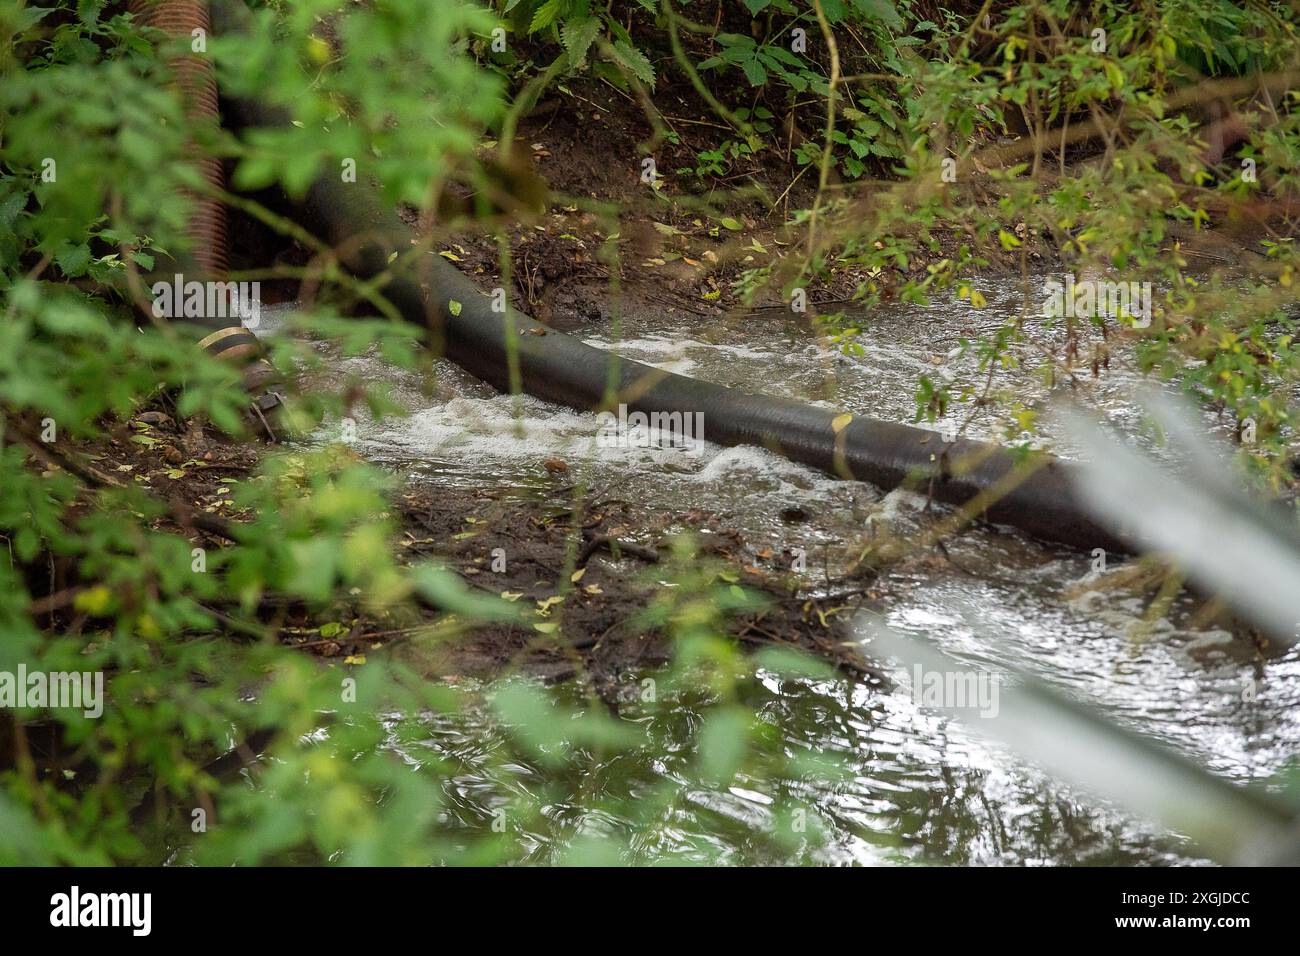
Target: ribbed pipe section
{"x": 196, "y": 79}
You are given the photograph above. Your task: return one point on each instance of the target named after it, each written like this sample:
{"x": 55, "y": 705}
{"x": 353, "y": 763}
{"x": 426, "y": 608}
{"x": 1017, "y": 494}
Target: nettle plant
{"x": 783, "y": 61}
{"x": 599, "y": 35}
{"x": 787, "y": 58}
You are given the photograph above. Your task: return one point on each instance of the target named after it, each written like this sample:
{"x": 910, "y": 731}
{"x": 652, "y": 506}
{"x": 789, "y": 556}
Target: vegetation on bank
{"x": 1113, "y": 136}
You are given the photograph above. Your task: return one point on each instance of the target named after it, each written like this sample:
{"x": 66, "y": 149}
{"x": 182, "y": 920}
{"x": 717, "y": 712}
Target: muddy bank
{"x": 608, "y": 242}
{"x": 592, "y": 567}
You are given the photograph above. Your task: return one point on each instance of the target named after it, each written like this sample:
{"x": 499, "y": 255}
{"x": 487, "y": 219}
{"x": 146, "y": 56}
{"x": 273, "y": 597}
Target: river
{"x": 917, "y": 787}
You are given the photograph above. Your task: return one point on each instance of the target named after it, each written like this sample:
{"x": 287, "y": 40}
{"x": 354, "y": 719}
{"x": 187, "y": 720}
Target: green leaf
{"x": 73, "y": 260}
{"x": 89, "y": 10}
{"x": 754, "y": 72}
{"x": 722, "y": 744}
{"x": 28, "y": 17}
{"x": 11, "y": 206}
{"x": 450, "y": 592}
{"x": 882, "y": 10}
{"x": 315, "y": 563}
{"x": 577, "y": 37}
{"x": 546, "y": 14}
{"x": 635, "y": 62}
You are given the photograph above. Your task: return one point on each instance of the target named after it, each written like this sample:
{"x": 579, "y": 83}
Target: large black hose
{"x": 1036, "y": 494}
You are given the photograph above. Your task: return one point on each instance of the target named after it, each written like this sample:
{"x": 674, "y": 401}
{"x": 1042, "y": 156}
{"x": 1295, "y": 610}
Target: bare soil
{"x": 599, "y": 638}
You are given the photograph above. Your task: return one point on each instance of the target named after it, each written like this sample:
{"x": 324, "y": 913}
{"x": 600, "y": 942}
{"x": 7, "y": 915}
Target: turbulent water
{"x": 921, "y": 788}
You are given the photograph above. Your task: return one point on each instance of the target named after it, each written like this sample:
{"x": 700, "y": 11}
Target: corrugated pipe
{"x": 197, "y": 80}
{"x": 224, "y": 336}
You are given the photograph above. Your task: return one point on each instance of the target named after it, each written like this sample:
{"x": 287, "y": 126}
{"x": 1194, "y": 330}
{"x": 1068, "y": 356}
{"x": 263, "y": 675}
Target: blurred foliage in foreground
{"x": 91, "y": 180}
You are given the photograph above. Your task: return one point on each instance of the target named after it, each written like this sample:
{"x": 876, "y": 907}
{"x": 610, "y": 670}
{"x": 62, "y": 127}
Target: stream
{"x": 918, "y": 788}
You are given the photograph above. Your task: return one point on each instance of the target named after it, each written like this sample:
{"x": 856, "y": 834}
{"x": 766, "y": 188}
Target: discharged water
{"x": 921, "y": 788}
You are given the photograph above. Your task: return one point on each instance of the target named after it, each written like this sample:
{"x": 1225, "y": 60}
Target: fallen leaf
{"x": 544, "y": 606}
{"x": 94, "y": 601}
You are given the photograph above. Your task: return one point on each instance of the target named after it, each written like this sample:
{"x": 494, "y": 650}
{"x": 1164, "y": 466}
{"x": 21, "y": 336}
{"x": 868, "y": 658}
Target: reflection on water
{"x": 910, "y": 790}
{"x": 919, "y": 788}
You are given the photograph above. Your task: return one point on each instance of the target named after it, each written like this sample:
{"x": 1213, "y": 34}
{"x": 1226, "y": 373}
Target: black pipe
{"x": 1039, "y": 495}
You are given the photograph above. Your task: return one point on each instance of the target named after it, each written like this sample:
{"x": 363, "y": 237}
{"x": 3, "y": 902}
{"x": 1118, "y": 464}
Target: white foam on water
{"x": 759, "y": 470}
{"x": 674, "y": 354}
